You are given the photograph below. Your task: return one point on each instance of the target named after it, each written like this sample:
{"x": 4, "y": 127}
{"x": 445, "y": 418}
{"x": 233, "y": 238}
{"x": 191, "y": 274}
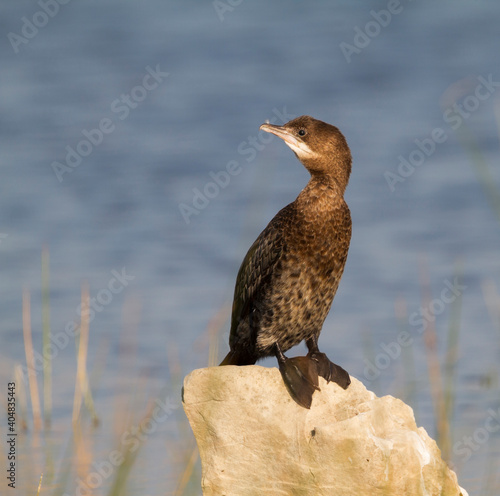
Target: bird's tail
{"x": 237, "y": 358}
{"x": 229, "y": 360}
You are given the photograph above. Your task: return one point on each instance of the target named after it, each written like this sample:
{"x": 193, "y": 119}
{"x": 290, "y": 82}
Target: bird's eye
{"x": 302, "y": 132}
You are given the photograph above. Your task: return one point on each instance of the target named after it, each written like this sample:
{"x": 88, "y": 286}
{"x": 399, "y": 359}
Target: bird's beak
{"x": 282, "y": 133}
{"x": 298, "y": 146}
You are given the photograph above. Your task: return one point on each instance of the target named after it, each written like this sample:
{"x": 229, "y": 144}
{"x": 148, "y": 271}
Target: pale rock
{"x": 255, "y": 440}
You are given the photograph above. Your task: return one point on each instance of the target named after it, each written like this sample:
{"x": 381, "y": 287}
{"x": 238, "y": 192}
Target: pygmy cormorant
{"x": 287, "y": 281}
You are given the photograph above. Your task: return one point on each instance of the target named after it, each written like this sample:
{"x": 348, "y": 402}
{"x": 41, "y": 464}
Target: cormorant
{"x": 288, "y": 279}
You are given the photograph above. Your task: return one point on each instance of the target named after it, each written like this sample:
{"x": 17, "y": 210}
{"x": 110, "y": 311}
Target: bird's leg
{"x": 300, "y": 375}
{"x": 327, "y": 369}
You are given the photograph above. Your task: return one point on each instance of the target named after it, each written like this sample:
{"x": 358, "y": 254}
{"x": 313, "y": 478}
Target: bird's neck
{"x": 322, "y": 184}
{"x": 322, "y": 193}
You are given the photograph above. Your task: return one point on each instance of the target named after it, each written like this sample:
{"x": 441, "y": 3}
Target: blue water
{"x": 120, "y": 209}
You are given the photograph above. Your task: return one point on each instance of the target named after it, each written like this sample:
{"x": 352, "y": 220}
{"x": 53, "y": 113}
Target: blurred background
{"x": 133, "y": 173}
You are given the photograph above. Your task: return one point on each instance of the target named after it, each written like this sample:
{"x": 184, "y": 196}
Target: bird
{"x": 288, "y": 279}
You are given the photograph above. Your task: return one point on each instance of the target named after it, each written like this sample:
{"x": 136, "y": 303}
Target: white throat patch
{"x": 301, "y": 149}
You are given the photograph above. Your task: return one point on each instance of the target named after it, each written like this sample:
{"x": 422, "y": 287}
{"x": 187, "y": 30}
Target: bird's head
{"x": 320, "y": 147}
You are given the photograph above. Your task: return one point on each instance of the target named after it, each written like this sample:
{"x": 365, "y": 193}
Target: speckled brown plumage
{"x": 289, "y": 277}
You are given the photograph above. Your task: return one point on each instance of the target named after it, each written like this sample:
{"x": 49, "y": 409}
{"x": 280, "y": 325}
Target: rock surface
{"x": 255, "y": 440}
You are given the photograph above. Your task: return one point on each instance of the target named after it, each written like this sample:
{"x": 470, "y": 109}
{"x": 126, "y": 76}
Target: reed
{"x": 30, "y": 361}
{"x": 47, "y": 358}
{"x": 81, "y": 384}
{"x": 39, "y": 485}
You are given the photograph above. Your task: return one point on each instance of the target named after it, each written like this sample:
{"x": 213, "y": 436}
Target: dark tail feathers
{"x": 236, "y": 358}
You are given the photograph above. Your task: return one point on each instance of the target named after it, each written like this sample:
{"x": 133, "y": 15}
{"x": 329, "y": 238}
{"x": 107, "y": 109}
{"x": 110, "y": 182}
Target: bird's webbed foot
{"x": 327, "y": 369}
{"x": 300, "y": 375}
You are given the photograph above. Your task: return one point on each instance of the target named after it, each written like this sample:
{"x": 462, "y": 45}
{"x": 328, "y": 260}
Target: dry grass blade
{"x": 188, "y": 471}
{"x": 410, "y": 375}
{"x": 434, "y": 368}
{"x": 129, "y": 455}
{"x": 22, "y": 414}
{"x": 39, "y": 485}
{"x": 81, "y": 373}
{"x": 30, "y": 361}
{"x": 47, "y": 361}
{"x": 452, "y": 352}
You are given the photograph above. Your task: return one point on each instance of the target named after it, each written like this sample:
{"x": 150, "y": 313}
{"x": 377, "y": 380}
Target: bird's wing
{"x": 259, "y": 264}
